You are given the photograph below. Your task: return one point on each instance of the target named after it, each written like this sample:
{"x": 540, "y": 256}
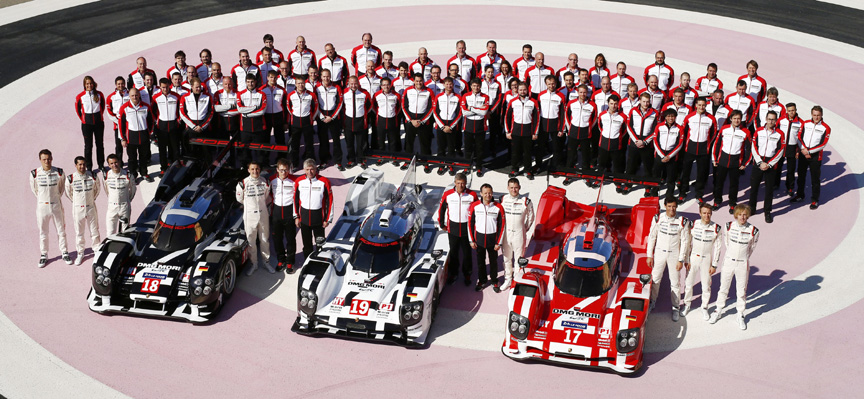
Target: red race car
{"x": 581, "y": 296}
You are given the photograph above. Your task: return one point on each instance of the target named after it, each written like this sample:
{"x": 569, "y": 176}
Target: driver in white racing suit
{"x": 82, "y": 189}
{"x": 46, "y": 183}
{"x": 704, "y": 257}
{"x": 740, "y": 238}
{"x": 120, "y": 189}
{"x": 667, "y": 247}
{"x": 254, "y": 193}
{"x": 519, "y": 219}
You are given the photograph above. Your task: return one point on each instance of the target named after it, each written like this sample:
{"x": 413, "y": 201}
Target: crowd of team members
{"x": 583, "y": 118}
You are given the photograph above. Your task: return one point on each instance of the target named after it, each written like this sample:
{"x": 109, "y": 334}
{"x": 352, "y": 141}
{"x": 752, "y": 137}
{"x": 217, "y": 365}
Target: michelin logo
{"x": 570, "y": 324}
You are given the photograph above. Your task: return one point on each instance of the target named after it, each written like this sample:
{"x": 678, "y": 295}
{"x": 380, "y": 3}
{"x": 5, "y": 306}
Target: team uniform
{"x": 731, "y": 151}
{"x": 169, "y": 133}
{"x": 299, "y": 61}
{"x": 664, "y": 73}
{"x": 740, "y": 242}
{"x": 282, "y": 219}
{"x": 640, "y": 127}
{"x": 136, "y": 125}
{"x": 254, "y": 194}
{"x": 302, "y": 111}
{"x": 313, "y": 206}
{"x": 89, "y": 107}
{"x": 447, "y": 113}
{"x": 83, "y": 189}
{"x": 699, "y": 133}
{"x": 705, "y": 86}
{"x": 667, "y": 244}
{"x": 424, "y": 68}
{"x": 756, "y": 87}
{"x": 338, "y": 67}
{"x": 475, "y": 110}
{"x": 580, "y": 118}
{"x": 813, "y": 137}
{"x": 453, "y": 217}
{"x": 388, "y": 111}
{"x": 522, "y": 122}
{"x": 360, "y": 55}
{"x": 668, "y": 141}
{"x": 418, "y": 105}
{"x": 275, "y": 113}
{"x": 120, "y": 189}
{"x": 251, "y": 105}
{"x": 613, "y": 136}
{"x": 790, "y": 128}
{"x": 552, "y": 106}
{"x": 48, "y": 187}
{"x": 329, "y": 105}
{"x": 356, "y": 106}
{"x": 113, "y": 103}
{"x": 704, "y": 254}
{"x": 519, "y": 220}
{"x": 196, "y": 110}
{"x": 486, "y": 230}
{"x": 768, "y": 146}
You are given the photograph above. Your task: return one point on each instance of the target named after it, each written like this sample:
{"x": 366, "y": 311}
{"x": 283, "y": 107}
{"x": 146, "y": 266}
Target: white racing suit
{"x": 254, "y": 194}
{"x": 704, "y": 253}
{"x": 740, "y": 242}
{"x": 120, "y": 189}
{"x": 519, "y": 217}
{"x": 667, "y": 245}
{"x": 82, "y": 189}
{"x": 47, "y": 186}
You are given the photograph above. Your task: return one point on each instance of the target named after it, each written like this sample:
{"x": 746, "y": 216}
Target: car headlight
{"x": 627, "y": 340}
{"x": 519, "y": 326}
{"x": 207, "y": 290}
{"x": 308, "y": 301}
{"x": 105, "y": 271}
{"x": 197, "y": 282}
{"x": 411, "y": 313}
{"x": 101, "y": 280}
{"x": 208, "y": 281}
{"x": 197, "y": 291}
{"x": 98, "y": 270}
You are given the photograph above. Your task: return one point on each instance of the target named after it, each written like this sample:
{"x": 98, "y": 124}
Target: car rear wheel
{"x": 228, "y": 275}
{"x": 436, "y": 298}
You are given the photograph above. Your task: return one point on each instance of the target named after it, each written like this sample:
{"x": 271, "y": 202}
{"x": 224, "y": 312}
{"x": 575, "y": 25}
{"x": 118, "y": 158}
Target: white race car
{"x": 380, "y": 272}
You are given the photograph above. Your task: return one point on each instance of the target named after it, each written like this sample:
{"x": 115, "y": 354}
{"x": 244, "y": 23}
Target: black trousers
{"x": 791, "y": 159}
{"x": 582, "y": 148}
{"x": 308, "y": 134}
{"x": 703, "y": 163}
{"x": 758, "y": 175}
{"x": 720, "y": 173}
{"x": 118, "y": 147}
{"x": 355, "y": 143}
{"x": 559, "y": 150}
{"x": 388, "y": 128}
{"x": 326, "y": 132}
{"x": 475, "y": 147}
{"x": 307, "y": 233}
{"x": 247, "y": 138}
{"x": 495, "y": 131}
{"x": 284, "y": 232}
{"x": 482, "y": 253}
{"x": 521, "y": 152}
{"x": 460, "y": 247}
{"x": 637, "y": 157}
{"x": 614, "y": 158}
{"x": 276, "y": 124}
{"x": 447, "y": 142}
{"x": 423, "y": 133}
{"x": 370, "y": 121}
{"x": 814, "y": 164}
{"x": 139, "y": 158}
{"x": 670, "y": 168}
{"x": 169, "y": 146}
{"x": 541, "y": 146}
{"x": 93, "y": 133}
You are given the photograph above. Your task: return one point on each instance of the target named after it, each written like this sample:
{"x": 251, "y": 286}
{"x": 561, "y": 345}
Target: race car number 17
{"x": 359, "y": 307}
{"x": 150, "y": 285}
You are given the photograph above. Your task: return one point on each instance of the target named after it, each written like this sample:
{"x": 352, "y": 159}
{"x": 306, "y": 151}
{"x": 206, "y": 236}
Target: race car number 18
{"x": 150, "y": 285}
{"x": 359, "y": 307}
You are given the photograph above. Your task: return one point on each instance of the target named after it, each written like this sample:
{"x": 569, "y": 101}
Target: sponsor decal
{"x": 158, "y": 266}
{"x": 575, "y": 313}
{"x": 539, "y": 335}
{"x": 155, "y": 276}
{"x": 411, "y": 295}
{"x": 604, "y": 332}
{"x": 203, "y": 268}
{"x": 339, "y": 301}
{"x": 150, "y": 285}
{"x": 570, "y": 324}
{"x": 367, "y": 285}
{"x": 386, "y": 307}
{"x": 359, "y": 307}
{"x": 631, "y": 318}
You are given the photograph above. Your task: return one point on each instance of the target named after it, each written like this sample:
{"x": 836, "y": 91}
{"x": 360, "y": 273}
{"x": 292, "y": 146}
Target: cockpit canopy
{"x": 189, "y": 217}
{"x": 385, "y": 241}
{"x": 587, "y": 270}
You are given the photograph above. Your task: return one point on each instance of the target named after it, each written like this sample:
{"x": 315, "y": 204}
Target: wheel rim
{"x": 436, "y": 297}
{"x": 229, "y": 273}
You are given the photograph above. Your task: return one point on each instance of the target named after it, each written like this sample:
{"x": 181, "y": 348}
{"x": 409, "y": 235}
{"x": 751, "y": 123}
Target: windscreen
{"x": 172, "y": 238}
{"x": 591, "y": 279}
{"x": 376, "y": 258}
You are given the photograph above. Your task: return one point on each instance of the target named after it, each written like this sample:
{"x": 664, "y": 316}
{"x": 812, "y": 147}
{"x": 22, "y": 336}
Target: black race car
{"x": 181, "y": 258}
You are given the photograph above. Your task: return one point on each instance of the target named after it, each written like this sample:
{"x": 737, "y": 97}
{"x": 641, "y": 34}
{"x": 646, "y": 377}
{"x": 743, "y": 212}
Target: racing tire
{"x": 228, "y": 276}
{"x": 436, "y": 299}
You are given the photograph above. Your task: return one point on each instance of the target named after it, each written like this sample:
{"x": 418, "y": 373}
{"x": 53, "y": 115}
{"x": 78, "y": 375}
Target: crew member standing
{"x": 166, "y": 111}
{"x": 254, "y": 193}
{"x": 522, "y": 123}
{"x": 486, "y": 232}
{"x": 518, "y": 222}
{"x": 47, "y": 185}
{"x": 282, "y": 218}
{"x": 313, "y": 205}
{"x": 82, "y": 189}
{"x": 704, "y": 257}
{"x": 668, "y": 140}
{"x": 740, "y": 238}
{"x": 813, "y": 137}
{"x": 453, "y": 217}
{"x": 667, "y": 247}
{"x": 768, "y": 144}
{"x": 730, "y": 155}
{"x": 136, "y": 125}
{"x": 120, "y": 189}
{"x": 89, "y": 105}
{"x": 475, "y": 110}
{"x": 302, "y": 111}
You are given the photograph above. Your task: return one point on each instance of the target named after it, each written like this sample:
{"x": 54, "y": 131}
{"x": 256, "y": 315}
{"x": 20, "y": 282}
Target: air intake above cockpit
{"x": 384, "y": 221}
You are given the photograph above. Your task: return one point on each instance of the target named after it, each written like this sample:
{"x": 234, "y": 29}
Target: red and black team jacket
{"x": 89, "y": 107}
{"x": 700, "y": 131}
{"x": 731, "y": 148}
{"x": 453, "y": 211}
{"x": 613, "y": 131}
{"x": 313, "y": 201}
{"x": 813, "y": 137}
{"x": 302, "y": 109}
{"x": 252, "y": 103}
{"x": 486, "y": 223}
{"x": 136, "y": 123}
{"x": 668, "y": 140}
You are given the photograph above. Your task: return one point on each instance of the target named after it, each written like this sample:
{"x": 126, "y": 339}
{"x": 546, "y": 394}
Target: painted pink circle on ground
{"x": 155, "y": 358}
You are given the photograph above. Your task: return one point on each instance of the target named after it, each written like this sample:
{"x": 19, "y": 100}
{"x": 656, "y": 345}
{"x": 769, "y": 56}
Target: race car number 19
{"x": 359, "y": 307}
{"x": 150, "y": 285}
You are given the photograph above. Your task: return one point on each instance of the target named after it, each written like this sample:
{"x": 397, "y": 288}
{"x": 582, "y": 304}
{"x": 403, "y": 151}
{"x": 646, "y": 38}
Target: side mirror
{"x": 319, "y": 241}
{"x": 437, "y": 254}
{"x": 644, "y": 278}
{"x": 522, "y": 262}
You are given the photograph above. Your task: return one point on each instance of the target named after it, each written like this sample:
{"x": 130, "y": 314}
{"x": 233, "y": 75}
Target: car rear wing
{"x": 455, "y": 164}
{"x": 603, "y": 177}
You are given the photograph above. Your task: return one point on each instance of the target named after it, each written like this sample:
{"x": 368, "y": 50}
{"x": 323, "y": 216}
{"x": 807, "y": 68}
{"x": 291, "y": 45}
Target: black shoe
{"x": 797, "y": 198}
{"x": 404, "y": 166}
{"x": 731, "y": 209}
{"x": 568, "y": 181}
{"x": 479, "y": 286}
{"x": 700, "y": 200}
{"x": 351, "y": 164}
{"x": 715, "y": 207}
{"x": 289, "y": 268}
{"x": 149, "y": 179}
{"x": 340, "y": 167}
{"x": 618, "y": 189}
{"x": 791, "y": 192}
{"x": 395, "y": 163}
{"x": 512, "y": 174}
{"x": 379, "y": 162}
{"x": 441, "y": 171}
{"x": 280, "y": 266}
{"x": 681, "y": 199}
{"x": 427, "y": 169}
{"x": 647, "y": 193}
{"x": 480, "y": 172}
{"x": 363, "y": 165}
{"x": 769, "y": 218}
{"x": 589, "y": 184}
{"x": 496, "y": 288}
{"x": 814, "y": 204}
{"x": 467, "y": 281}
{"x": 451, "y": 280}
{"x": 453, "y": 171}
{"x": 529, "y": 175}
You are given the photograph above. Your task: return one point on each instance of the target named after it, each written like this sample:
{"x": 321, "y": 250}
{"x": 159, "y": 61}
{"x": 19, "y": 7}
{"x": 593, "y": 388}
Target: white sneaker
{"x": 252, "y": 269}
{"x": 685, "y": 310}
{"x": 741, "y": 322}
{"x": 705, "y": 314}
{"x": 269, "y": 267}
{"x": 43, "y": 260}
{"x": 79, "y": 259}
{"x": 714, "y": 317}
{"x": 66, "y": 258}
{"x": 507, "y": 283}
{"x": 675, "y": 314}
